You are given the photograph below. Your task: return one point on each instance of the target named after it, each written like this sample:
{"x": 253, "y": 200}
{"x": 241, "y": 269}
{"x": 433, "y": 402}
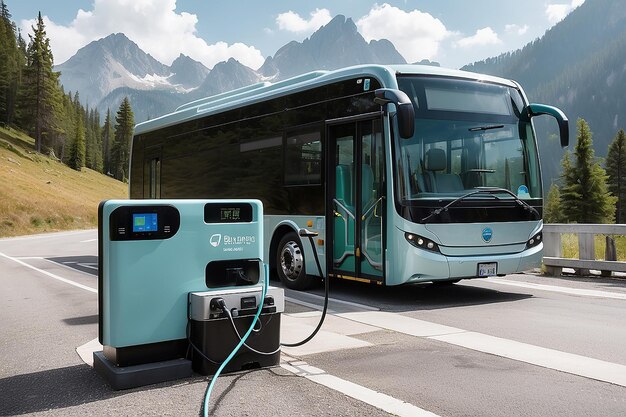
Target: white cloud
{"x": 516, "y": 29}
{"x": 557, "y": 12}
{"x": 153, "y": 24}
{"x": 416, "y": 35}
{"x": 292, "y": 22}
{"x": 482, "y": 37}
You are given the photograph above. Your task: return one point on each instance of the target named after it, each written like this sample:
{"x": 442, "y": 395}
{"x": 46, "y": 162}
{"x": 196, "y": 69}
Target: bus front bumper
{"x": 424, "y": 266}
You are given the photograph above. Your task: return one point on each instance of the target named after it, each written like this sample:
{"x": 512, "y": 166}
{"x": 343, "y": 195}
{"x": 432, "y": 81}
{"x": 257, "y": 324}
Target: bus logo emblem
{"x": 215, "y": 240}
{"x": 487, "y": 234}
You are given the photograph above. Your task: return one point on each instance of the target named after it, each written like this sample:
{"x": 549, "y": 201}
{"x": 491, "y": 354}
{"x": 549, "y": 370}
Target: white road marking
{"x": 49, "y": 274}
{"x": 563, "y": 290}
{"x": 379, "y": 400}
{"x": 88, "y": 240}
{"x": 87, "y": 265}
{"x": 86, "y": 351}
{"x": 293, "y": 330}
{"x": 65, "y": 265}
{"x": 360, "y": 307}
{"x": 47, "y": 235}
{"x": 309, "y": 305}
{"x": 548, "y": 358}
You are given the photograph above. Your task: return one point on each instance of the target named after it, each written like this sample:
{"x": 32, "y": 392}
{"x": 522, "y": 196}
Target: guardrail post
{"x": 586, "y": 250}
{"x": 610, "y": 254}
{"x": 552, "y": 247}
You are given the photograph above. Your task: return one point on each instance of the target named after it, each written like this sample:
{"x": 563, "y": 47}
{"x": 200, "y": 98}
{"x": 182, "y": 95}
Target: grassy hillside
{"x": 39, "y": 194}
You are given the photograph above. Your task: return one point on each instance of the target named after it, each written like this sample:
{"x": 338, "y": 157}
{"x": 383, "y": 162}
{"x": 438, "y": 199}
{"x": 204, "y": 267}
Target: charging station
{"x": 177, "y": 281}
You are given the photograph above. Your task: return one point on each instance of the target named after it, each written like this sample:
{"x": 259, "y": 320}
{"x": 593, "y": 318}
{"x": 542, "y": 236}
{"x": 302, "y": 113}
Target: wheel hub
{"x": 291, "y": 260}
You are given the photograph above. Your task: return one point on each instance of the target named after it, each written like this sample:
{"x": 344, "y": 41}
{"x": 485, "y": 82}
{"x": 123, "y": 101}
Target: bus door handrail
{"x": 367, "y": 218}
{"x": 346, "y": 253}
{"x": 341, "y": 206}
{"x": 372, "y": 207}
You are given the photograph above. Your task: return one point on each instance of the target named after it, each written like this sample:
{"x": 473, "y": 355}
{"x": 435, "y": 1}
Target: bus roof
{"x": 385, "y": 74}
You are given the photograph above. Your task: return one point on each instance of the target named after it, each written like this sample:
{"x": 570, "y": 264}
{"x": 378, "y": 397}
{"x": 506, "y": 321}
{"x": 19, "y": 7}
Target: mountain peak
{"x": 334, "y": 45}
{"x": 187, "y": 72}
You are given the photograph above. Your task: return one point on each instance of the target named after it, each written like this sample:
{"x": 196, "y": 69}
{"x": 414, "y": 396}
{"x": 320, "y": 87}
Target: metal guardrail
{"x": 552, "y": 248}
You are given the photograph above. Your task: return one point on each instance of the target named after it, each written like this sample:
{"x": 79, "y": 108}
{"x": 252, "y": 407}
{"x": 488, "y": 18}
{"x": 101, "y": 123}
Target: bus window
{"x": 303, "y": 159}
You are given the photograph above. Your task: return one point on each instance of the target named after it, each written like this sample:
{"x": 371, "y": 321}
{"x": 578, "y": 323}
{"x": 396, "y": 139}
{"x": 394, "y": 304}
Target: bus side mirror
{"x": 533, "y": 110}
{"x": 404, "y": 109}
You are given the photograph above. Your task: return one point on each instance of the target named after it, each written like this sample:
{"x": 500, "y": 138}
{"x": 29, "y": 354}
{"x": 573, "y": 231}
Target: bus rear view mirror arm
{"x": 533, "y": 110}
{"x": 404, "y": 109}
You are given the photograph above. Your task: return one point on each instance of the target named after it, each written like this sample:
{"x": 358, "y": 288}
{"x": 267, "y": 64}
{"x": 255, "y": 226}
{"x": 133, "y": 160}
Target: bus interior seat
{"x": 343, "y": 185}
{"x": 367, "y": 186}
{"x": 435, "y": 160}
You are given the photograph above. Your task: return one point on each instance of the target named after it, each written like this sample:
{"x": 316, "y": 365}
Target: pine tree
{"x": 77, "y": 149}
{"x": 585, "y": 196}
{"x": 107, "y": 140}
{"x": 21, "y": 65}
{"x": 616, "y": 170}
{"x": 40, "y": 95}
{"x": 9, "y": 65}
{"x": 553, "y": 212}
{"x": 569, "y": 196}
{"x": 97, "y": 132}
{"x": 120, "y": 150}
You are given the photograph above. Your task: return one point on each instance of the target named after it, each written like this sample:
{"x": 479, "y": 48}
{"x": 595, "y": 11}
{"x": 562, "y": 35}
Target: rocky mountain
{"x": 226, "y": 76}
{"x": 187, "y": 72}
{"x": 579, "y": 65}
{"x": 109, "y": 63}
{"x": 335, "y": 45}
{"x": 107, "y": 70}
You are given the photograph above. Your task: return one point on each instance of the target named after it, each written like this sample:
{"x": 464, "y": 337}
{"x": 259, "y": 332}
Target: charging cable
{"x": 307, "y": 233}
{"x": 242, "y": 340}
{"x": 232, "y": 322}
{"x": 205, "y": 406}
{"x": 303, "y": 233}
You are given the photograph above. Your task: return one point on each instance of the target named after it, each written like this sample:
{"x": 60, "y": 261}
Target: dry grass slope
{"x": 39, "y": 194}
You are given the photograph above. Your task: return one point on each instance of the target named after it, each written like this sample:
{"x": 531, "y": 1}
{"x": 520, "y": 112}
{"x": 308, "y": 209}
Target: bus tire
{"x": 290, "y": 263}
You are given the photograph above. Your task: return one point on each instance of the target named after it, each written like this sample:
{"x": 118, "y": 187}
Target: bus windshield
{"x": 467, "y": 135}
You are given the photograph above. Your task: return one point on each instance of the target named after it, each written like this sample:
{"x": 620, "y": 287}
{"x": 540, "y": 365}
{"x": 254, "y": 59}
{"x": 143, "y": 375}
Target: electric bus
{"x": 408, "y": 173}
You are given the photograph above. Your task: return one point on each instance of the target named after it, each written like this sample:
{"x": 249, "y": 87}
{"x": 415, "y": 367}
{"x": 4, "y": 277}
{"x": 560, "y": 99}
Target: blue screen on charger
{"x": 145, "y": 222}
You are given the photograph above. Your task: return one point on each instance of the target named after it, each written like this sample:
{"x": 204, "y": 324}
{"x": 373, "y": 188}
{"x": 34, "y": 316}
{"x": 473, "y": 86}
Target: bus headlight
{"x": 534, "y": 241}
{"x": 421, "y": 242}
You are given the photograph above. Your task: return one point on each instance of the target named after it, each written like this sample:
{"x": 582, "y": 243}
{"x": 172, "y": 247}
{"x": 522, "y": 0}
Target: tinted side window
{"x": 303, "y": 158}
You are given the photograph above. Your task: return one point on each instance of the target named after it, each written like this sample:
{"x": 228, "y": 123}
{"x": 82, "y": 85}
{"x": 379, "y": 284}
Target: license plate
{"x": 487, "y": 270}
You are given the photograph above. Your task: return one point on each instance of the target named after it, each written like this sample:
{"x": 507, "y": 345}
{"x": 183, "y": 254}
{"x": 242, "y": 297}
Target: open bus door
{"x": 356, "y": 203}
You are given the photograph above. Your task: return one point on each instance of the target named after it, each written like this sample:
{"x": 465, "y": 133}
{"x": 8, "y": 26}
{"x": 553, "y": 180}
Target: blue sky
{"x": 452, "y": 32}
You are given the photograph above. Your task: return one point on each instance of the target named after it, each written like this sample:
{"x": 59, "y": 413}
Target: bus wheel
{"x": 290, "y": 263}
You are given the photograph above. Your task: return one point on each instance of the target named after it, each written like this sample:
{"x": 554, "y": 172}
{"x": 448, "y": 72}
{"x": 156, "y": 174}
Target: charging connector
{"x": 218, "y": 304}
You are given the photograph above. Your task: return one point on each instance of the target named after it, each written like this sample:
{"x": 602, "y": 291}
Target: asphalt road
{"x": 524, "y": 345}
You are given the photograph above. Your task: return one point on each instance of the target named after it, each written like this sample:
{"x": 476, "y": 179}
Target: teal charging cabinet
{"x": 153, "y": 253}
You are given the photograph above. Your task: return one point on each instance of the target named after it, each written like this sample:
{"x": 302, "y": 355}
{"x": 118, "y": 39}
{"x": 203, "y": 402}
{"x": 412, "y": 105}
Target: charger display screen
{"x": 234, "y": 212}
{"x": 145, "y": 222}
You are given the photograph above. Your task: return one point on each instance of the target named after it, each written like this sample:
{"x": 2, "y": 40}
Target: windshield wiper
{"x": 482, "y": 128}
{"x": 484, "y": 190}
